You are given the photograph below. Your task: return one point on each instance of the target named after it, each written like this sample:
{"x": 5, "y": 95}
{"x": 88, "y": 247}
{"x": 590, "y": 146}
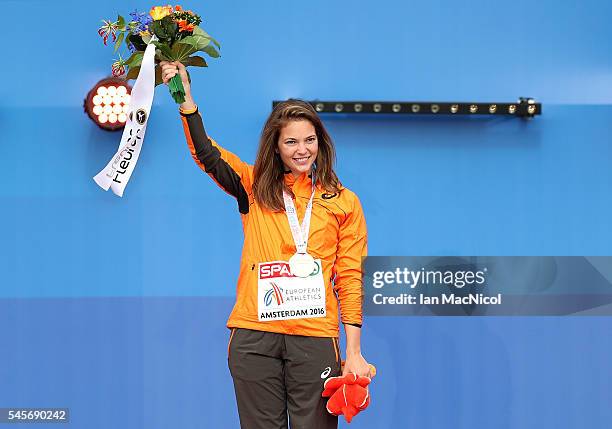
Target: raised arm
{"x": 226, "y": 169}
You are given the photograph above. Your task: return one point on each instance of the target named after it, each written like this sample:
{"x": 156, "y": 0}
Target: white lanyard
{"x": 300, "y": 234}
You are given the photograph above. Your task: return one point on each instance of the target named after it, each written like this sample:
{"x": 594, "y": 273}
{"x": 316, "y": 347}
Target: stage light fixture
{"x": 526, "y": 108}
{"x": 107, "y": 103}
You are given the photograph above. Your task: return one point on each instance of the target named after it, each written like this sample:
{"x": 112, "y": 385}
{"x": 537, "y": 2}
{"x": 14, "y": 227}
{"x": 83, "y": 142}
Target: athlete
{"x": 304, "y": 237}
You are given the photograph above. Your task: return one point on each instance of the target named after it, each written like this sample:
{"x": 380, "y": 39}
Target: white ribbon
{"x": 299, "y": 232}
{"x": 118, "y": 171}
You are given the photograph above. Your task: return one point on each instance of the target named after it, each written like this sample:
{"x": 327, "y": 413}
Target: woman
{"x": 304, "y": 237}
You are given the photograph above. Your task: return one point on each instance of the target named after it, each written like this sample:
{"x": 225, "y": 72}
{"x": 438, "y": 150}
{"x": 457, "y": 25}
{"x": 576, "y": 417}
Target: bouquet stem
{"x": 176, "y": 89}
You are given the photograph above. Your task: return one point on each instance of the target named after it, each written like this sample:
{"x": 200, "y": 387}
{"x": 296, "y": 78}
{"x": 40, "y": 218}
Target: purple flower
{"x": 135, "y": 15}
{"x": 143, "y": 20}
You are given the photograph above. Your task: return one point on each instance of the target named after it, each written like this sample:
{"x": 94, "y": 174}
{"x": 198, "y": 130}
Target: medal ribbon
{"x": 119, "y": 169}
{"x": 300, "y": 234}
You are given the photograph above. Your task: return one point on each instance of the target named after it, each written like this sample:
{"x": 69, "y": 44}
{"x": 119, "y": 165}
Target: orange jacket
{"x": 337, "y": 236}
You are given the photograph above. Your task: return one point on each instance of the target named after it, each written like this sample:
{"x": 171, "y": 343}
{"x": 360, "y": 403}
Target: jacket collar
{"x": 303, "y": 181}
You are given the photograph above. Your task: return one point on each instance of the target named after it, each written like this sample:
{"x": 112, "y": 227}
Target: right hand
{"x": 171, "y": 69}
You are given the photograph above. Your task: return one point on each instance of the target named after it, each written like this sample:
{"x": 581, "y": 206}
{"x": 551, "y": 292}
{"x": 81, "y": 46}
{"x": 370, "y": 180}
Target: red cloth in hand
{"x": 348, "y": 395}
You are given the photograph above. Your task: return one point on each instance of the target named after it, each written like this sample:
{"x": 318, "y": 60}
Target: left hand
{"x": 356, "y": 364}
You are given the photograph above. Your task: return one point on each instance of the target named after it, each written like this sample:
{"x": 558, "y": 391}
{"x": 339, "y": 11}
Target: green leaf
{"x": 195, "y": 61}
{"x": 159, "y": 56}
{"x": 181, "y": 50}
{"x": 135, "y": 59}
{"x": 120, "y": 22}
{"x": 128, "y": 43}
{"x": 159, "y": 30}
{"x": 197, "y": 42}
{"x": 119, "y": 40}
{"x": 132, "y": 73}
{"x": 170, "y": 27}
{"x": 155, "y": 28}
{"x": 201, "y": 42}
{"x": 198, "y": 31}
{"x": 165, "y": 53}
{"x": 210, "y": 50}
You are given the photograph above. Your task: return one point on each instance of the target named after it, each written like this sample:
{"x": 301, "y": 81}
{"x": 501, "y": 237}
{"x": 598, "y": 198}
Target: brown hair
{"x": 269, "y": 170}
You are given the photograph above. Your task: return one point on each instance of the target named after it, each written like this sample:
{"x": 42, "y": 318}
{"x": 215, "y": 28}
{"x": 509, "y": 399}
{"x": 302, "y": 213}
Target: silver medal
{"x": 302, "y": 265}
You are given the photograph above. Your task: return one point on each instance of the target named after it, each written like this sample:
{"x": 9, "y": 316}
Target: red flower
{"x": 108, "y": 29}
{"x": 185, "y": 26}
{"x": 118, "y": 67}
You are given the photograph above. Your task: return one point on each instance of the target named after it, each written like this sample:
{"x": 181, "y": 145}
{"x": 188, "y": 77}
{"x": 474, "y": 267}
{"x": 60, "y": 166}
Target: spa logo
{"x": 274, "y": 269}
{"x": 281, "y": 269}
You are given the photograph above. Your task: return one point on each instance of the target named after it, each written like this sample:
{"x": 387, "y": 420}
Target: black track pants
{"x": 278, "y": 376}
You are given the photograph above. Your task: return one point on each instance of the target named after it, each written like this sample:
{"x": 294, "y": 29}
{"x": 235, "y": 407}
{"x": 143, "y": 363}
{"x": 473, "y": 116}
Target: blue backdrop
{"x": 148, "y": 349}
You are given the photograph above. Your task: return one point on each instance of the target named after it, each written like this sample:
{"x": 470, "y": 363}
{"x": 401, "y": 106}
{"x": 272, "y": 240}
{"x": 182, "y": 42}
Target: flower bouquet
{"x": 176, "y": 34}
{"x": 163, "y": 34}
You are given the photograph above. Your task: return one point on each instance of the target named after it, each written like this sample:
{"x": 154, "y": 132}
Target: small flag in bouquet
{"x": 165, "y": 33}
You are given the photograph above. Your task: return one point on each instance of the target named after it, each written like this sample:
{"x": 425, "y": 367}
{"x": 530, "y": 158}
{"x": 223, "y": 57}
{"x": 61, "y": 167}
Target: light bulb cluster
{"x": 108, "y": 103}
{"x": 111, "y": 104}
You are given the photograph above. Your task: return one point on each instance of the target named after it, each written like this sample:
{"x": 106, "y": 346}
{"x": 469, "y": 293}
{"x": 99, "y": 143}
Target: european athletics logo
{"x": 274, "y": 292}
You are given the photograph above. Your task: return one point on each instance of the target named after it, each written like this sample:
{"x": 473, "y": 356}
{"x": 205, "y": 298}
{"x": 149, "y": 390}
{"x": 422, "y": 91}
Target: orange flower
{"x": 184, "y": 25}
{"x": 178, "y": 8}
{"x": 158, "y": 12}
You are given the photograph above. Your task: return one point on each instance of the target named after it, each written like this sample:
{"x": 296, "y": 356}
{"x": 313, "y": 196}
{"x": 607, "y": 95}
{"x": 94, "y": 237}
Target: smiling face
{"x": 298, "y": 146}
